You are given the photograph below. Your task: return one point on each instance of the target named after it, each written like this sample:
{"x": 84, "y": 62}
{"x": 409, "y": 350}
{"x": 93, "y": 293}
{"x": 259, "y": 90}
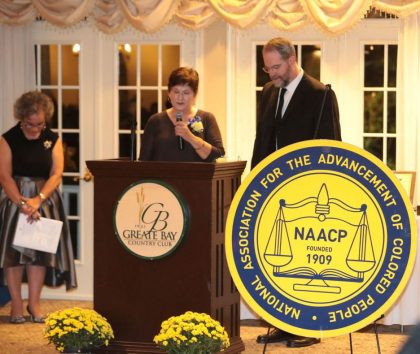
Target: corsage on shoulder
{"x": 196, "y": 124}
{"x": 47, "y": 144}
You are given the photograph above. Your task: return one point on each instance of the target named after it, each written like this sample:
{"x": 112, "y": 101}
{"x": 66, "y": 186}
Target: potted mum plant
{"x": 192, "y": 333}
{"x": 77, "y": 330}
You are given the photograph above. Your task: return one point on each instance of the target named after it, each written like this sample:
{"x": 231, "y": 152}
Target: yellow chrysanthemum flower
{"x": 77, "y": 327}
{"x": 191, "y": 329}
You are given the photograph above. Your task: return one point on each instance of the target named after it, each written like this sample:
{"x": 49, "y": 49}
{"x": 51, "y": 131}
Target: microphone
{"x": 178, "y": 118}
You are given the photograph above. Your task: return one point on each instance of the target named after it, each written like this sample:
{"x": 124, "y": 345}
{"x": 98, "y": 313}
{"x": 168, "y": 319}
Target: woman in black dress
{"x": 31, "y": 168}
{"x": 201, "y": 139}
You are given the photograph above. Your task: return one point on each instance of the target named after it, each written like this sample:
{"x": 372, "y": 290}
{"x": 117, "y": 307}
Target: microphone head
{"x": 178, "y": 116}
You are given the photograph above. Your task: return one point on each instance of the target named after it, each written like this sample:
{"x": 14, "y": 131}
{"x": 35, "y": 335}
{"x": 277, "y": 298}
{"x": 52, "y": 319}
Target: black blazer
{"x": 299, "y": 120}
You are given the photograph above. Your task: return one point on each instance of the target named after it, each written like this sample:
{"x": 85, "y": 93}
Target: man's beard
{"x": 283, "y": 81}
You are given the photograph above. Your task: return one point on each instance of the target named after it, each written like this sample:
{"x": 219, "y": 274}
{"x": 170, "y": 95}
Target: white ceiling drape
{"x": 110, "y": 16}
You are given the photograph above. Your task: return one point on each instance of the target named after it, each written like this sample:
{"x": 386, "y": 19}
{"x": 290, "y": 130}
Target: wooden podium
{"x": 137, "y": 294}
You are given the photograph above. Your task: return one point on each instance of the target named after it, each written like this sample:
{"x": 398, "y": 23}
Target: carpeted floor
{"x": 28, "y": 337}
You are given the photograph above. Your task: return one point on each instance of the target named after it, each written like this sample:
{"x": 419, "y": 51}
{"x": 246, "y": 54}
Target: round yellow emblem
{"x": 319, "y": 238}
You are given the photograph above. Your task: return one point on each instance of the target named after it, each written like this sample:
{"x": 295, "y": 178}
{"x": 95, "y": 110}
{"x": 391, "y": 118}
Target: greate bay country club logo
{"x": 151, "y": 219}
{"x": 320, "y": 238}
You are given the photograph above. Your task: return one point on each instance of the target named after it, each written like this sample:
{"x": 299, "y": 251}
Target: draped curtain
{"x": 408, "y": 95}
{"x": 16, "y": 70}
{"x": 111, "y": 16}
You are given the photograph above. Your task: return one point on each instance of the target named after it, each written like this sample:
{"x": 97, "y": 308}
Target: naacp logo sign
{"x": 150, "y": 219}
{"x": 320, "y": 238}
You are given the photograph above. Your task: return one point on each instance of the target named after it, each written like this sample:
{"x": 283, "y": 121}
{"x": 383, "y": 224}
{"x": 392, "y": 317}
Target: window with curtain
{"x": 57, "y": 75}
{"x": 143, "y": 75}
{"x": 379, "y": 101}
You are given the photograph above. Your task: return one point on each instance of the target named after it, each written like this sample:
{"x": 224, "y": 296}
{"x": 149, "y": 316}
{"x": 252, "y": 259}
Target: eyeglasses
{"x": 183, "y": 92}
{"x": 274, "y": 67}
{"x": 41, "y": 125}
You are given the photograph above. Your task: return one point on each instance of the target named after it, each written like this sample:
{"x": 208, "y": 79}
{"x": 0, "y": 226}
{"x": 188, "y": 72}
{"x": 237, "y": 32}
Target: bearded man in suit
{"x": 303, "y": 96}
{"x": 293, "y": 107}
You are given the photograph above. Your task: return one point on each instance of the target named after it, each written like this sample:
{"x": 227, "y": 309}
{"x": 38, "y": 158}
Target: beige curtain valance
{"x": 110, "y": 16}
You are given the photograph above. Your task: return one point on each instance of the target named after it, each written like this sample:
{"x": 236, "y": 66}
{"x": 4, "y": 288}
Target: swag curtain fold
{"x": 63, "y": 13}
{"x": 150, "y": 15}
{"x": 110, "y": 16}
{"x": 196, "y": 14}
{"x": 336, "y": 16}
{"x": 242, "y": 13}
{"x": 287, "y": 15}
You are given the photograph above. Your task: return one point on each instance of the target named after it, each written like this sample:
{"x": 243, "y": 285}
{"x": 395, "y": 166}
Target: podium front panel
{"x": 137, "y": 294}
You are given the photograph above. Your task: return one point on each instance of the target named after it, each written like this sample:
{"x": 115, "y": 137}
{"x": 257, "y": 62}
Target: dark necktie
{"x": 281, "y": 102}
{"x": 279, "y": 116}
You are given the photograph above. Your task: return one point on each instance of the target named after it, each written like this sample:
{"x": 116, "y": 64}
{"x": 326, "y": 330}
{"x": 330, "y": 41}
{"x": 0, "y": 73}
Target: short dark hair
{"x": 33, "y": 102}
{"x": 184, "y": 76}
{"x": 282, "y": 45}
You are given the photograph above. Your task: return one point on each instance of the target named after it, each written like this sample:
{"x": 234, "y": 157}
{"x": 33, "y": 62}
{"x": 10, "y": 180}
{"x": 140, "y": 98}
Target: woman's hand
{"x": 33, "y": 204}
{"x": 202, "y": 148}
{"x": 25, "y": 208}
{"x": 30, "y": 209}
{"x": 33, "y": 217}
{"x": 182, "y": 130}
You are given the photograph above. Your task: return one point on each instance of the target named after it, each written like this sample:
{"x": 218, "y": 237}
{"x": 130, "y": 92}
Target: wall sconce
{"x": 127, "y": 48}
{"x": 75, "y": 48}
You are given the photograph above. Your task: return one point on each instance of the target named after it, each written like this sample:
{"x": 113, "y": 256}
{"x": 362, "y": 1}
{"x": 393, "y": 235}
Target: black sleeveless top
{"x": 31, "y": 158}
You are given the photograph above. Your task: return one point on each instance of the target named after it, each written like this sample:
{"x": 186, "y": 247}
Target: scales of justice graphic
{"x": 336, "y": 240}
